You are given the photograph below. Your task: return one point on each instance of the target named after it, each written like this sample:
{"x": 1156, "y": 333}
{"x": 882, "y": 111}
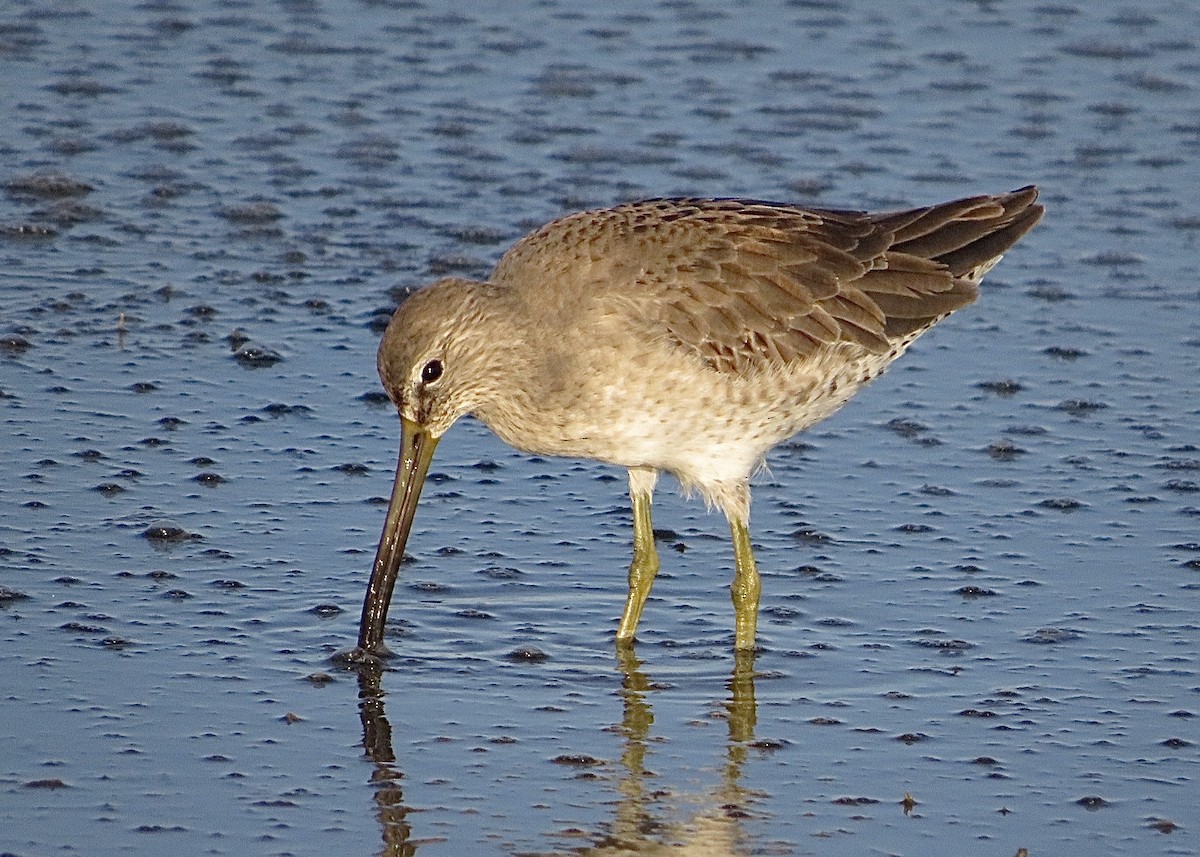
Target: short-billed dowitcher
{"x": 680, "y": 335}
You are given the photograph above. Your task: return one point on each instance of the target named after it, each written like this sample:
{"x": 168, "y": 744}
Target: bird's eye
{"x": 431, "y": 371}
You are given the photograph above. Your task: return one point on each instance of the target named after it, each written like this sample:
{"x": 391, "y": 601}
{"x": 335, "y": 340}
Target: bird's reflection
{"x": 641, "y": 826}
{"x": 644, "y": 822}
{"x": 390, "y": 808}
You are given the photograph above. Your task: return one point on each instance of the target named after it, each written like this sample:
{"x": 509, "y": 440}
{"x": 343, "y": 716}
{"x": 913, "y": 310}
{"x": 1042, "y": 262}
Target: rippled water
{"x": 979, "y": 579}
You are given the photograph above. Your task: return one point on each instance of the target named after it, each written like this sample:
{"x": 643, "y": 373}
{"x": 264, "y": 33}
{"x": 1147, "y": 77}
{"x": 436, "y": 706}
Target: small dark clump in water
{"x": 167, "y": 534}
{"x": 1003, "y": 450}
{"x": 1062, "y": 504}
{"x": 255, "y": 356}
{"x": 13, "y": 345}
{"x": 577, "y": 760}
{"x": 1004, "y": 387}
{"x": 46, "y": 784}
{"x": 528, "y": 654}
{"x": 7, "y": 596}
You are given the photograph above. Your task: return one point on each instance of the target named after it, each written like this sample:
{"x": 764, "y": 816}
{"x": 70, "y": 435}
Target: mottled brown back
{"x": 746, "y": 285}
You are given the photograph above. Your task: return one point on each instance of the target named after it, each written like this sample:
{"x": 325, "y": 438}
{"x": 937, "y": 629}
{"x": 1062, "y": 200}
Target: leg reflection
{"x": 743, "y": 710}
{"x": 633, "y": 812}
{"x": 648, "y": 818}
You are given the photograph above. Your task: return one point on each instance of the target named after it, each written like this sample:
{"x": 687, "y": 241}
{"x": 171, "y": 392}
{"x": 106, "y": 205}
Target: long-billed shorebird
{"x": 680, "y": 335}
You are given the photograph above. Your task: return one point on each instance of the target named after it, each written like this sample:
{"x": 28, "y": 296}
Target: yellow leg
{"x": 645, "y": 556}
{"x": 745, "y": 589}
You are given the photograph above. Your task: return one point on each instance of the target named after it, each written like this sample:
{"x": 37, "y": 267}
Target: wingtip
{"x": 1023, "y": 197}
{"x": 1022, "y": 210}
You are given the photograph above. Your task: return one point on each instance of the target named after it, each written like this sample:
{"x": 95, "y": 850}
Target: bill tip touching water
{"x": 686, "y": 336}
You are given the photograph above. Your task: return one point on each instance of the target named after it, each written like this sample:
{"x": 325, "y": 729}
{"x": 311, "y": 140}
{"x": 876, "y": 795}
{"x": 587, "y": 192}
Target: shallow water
{"x": 979, "y": 579}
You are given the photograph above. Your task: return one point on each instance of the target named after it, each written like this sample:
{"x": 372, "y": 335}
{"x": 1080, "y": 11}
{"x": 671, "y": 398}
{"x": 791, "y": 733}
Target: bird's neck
{"x": 501, "y": 394}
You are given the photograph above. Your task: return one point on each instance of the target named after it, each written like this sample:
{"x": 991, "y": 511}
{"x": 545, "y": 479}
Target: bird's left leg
{"x": 746, "y": 586}
{"x": 645, "y": 557}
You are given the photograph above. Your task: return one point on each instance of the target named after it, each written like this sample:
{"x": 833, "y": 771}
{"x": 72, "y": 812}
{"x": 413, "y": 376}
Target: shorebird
{"x": 686, "y": 336}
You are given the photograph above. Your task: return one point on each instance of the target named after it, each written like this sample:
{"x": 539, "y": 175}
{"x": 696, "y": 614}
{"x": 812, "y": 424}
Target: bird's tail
{"x": 965, "y": 236}
{"x": 968, "y": 235}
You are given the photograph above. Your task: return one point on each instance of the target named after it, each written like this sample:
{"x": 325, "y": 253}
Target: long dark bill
{"x": 416, "y": 451}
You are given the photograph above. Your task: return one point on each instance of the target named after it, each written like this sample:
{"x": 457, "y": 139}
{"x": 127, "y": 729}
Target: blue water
{"x": 984, "y": 600}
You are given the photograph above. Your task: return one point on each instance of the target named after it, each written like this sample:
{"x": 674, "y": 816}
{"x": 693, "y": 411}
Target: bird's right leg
{"x": 645, "y": 556}
{"x": 746, "y": 587}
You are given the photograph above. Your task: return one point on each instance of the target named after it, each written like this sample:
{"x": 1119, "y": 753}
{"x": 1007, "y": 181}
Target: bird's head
{"x": 436, "y": 355}
{"x": 434, "y": 364}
